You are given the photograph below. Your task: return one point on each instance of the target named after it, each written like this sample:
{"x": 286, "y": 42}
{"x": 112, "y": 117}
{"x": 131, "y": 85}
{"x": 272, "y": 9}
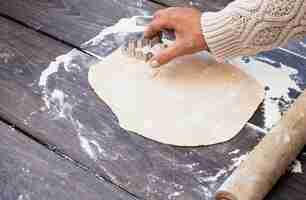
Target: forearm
{"x": 246, "y": 27}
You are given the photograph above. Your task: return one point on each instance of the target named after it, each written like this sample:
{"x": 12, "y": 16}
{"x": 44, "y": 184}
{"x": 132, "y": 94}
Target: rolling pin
{"x": 269, "y": 160}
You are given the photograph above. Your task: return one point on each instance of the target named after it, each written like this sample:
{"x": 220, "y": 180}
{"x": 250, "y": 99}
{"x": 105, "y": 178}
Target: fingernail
{"x": 154, "y": 64}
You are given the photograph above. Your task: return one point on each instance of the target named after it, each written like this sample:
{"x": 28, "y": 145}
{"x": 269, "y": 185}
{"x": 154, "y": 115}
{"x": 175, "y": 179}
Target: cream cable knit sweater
{"x": 246, "y": 27}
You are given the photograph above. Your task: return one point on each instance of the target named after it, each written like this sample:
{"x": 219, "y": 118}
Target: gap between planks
{"x": 67, "y": 158}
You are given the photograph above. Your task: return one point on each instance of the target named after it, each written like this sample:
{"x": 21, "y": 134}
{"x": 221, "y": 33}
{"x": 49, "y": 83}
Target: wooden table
{"x": 59, "y": 141}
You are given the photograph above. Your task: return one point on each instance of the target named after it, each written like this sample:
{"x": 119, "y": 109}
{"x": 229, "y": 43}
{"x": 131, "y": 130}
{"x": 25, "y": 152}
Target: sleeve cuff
{"x": 220, "y": 33}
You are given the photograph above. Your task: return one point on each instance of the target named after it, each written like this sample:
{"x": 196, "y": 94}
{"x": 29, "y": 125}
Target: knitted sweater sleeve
{"x": 246, "y": 27}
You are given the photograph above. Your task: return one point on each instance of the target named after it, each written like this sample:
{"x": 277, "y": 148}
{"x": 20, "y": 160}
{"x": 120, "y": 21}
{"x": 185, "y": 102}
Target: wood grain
{"x": 28, "y": 170}
{"x": 265, "y": 164}
{"x": 279, "y": 58}
{"x": 73, "y": 21}
{"x": 298, "y": 48}
{"x": 286, "y": 66}
{"x": 65, "y": 113}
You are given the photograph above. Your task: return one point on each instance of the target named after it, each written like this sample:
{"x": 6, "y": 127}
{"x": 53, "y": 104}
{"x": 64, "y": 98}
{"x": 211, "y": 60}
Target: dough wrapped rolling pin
{"x": 269, "y": 160}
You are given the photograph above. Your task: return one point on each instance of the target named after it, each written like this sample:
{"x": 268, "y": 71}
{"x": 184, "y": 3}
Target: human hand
{"x": 186, "y": 23}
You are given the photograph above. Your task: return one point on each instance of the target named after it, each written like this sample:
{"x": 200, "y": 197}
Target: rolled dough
{"x": 191, "y": 101}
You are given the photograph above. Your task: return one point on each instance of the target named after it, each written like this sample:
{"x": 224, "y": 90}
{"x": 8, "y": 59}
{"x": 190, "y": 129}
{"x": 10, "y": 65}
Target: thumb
{"x": 165, "y": 56}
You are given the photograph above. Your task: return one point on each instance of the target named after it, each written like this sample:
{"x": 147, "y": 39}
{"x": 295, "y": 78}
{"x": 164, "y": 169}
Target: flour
{"x": 89, "y": 146}
{"x": 266, "y": 60}
{"x": 234, "y": 152}
{"x": 85, "y": 144}
{"x": 278, "y": 81}
{"x": 140, "y": 3}
{"x": 24, "y": 197}
{"x": 208, "y": 192}
{"x": 211, "y": 181}
{"x": 25, "y": 170}
{"x": 214, "y": 178}
{"x": 297, "y": 167}
{"x": 257, "y": 128}
{"x": 58, "y": 96}
{"x": 175, "y": 195}
{"x": 5, "y": 57}
{"x": 123, "y": 27}
{"x": 62, "y": 60}
{"x": 302, "y": 44}
{"x": 193, "y": 3}
{"x": 55, "y": 100}
{"x": 223, "y": 172}
{"x": 237, "y": 161}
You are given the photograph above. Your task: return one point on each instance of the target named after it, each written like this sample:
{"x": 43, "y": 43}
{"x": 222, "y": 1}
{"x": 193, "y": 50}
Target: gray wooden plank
{"x": 203, "y": 5}
{"x": 73, "y": 21}
{"x": 297, "y": 47}
{"x": 66, "y": 113}
{"x": 28, "y": 170}
{"x": 62, "y": 110}
{"x": 279, "y": 58}
{"x": 283, "y": 74}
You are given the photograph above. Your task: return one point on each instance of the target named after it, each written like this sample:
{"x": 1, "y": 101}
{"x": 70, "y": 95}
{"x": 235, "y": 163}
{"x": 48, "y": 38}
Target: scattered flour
{"x": 139, "y": 3}
{"x": 24, "y": 197}
{"x": 85, "y": 144}
{"x": 123, "y": 26}
{"x": 277, "y": 79}
{"x": 302, "y": 44}
{"x": 25, "y": 170}
{"x": 55, "y": 98}
{"x": 297, "y": 167}
{"x": 174, "y": 195}
{"x": 62, "y": 60}
{"x": 5, "y": 57}
{"x": 237, "y": 161}
{"x": 278, "y": 84}
{"x": 214, "y": 178}
{"x": 193, "y": 3}
{"x": 89, "y": 146}
{"x": 234, "y": 152}
{"x": 210, "y": 182}
{"x": 224, "y": 171}
{"x": 208, "y": 192}
{"x": 267, "y": 60}
{"x": 58, "y": 95}
{"x": 171, "y": 187}
{"x": 257, "y": 128}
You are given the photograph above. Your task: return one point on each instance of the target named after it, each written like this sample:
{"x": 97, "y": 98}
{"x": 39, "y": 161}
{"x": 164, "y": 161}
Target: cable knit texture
{"x": 246, "y": 27}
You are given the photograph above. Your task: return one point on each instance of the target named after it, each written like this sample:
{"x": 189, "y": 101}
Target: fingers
{"x": 159, "y": 22}
{"x": 166, "y": 56}
{"x": 154, "y": 28}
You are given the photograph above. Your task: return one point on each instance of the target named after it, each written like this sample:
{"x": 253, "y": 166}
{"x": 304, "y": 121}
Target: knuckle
{"x": 156, "y": 15}
{"x": 149, "y": 28}
{"x": 159, "y": 13}
{"x": 154, "y": 27}
{"x": 190, "y": 44}
{"x": 153, "y": 24}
